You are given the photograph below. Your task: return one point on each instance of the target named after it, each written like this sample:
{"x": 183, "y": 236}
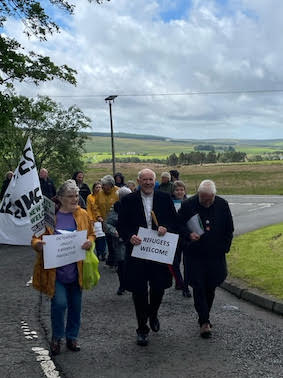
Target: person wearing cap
{"x": 154, "y": 210}
{"x": 205, "y": 250}
{"x": 119, "y": 247}
{"x": 166, "y": 185}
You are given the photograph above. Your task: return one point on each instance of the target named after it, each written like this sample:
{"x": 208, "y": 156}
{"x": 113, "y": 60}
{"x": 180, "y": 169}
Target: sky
{"x": 195, "y": 69}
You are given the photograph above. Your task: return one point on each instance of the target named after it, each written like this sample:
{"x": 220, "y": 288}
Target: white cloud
{"x": 125, "y": 47}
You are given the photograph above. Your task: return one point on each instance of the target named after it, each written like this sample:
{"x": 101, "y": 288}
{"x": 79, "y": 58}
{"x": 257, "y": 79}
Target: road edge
{"x": 254, "y": 296}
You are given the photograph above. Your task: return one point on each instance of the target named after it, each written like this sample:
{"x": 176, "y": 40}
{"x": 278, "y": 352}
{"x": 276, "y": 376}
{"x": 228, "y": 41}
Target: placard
{"x": 63, "y": 249}
{"x": 156, "y": 248}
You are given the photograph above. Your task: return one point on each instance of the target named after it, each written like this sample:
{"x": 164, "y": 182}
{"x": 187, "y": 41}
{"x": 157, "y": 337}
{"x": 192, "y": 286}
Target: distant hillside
{"x": 161, "y": 147}
{"x": 220, "y": 141}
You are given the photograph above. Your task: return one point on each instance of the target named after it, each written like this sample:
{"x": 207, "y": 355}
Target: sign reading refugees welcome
{"x": 156, "y": 248}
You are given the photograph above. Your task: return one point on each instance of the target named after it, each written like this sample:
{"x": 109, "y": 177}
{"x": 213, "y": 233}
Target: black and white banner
{"x": 21, "y": 209}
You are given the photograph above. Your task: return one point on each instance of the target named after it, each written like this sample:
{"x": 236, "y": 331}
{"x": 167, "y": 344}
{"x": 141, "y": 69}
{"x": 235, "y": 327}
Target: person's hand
{"x": 39, "y": 246}
{"x": 135, "y": 240}
{"x": 87, "y": 244}
{"x": 116, "y": 234}
{"x": 194, "y": 236}
{"x": 161, "y": 231}
{"x": 100, "y": 219}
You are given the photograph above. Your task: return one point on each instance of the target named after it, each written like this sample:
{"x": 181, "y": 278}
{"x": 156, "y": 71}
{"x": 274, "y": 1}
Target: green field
{"x": 98, "y": 148}
{"x": 256, "y": 258}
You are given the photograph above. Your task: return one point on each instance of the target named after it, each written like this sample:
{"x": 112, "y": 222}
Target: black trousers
{"x": 203, "y": 300}
{"x": 146, "y": 306}
{"x": 121, "y": 271}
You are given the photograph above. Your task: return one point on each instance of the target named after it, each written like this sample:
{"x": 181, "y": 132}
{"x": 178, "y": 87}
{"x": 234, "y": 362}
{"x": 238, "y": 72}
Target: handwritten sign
{"x": 63, "y": 249}
{"x": 156, "y": 248}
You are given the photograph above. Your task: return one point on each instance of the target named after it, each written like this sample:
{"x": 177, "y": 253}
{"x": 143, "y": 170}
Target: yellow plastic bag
{"x": 91, "y": 274}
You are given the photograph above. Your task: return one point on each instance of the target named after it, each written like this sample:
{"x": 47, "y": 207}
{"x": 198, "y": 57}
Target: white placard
{"x": 194, "y": 224}
{"x": 63, "y": 249}
{"x": 49, "y": 212}
{"x": 98, "y": 229}
{"x": 156, "y": 248}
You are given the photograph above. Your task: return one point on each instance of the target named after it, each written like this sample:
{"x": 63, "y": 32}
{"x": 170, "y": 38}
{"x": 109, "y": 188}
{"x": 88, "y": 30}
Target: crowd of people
{"x": 112, "y": 214}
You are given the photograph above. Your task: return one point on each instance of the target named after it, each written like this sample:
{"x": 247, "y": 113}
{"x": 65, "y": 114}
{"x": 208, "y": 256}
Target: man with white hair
{"x": 136, "y": 211}
{"x": 205, "y": 254}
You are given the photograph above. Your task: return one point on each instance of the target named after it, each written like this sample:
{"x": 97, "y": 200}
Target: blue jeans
{"x": 66, "y": 296}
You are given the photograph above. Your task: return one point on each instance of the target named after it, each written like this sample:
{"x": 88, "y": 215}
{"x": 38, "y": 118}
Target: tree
{"x": 15, "y": 64}
{"x": 18, "y": 65}
{"x": 55, "y": 133}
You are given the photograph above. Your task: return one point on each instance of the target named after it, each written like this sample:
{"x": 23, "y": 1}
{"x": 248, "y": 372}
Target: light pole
{"x": 111, "y": 99}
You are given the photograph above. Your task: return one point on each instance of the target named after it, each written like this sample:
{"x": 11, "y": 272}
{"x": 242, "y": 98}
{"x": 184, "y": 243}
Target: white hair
{"x": 67, "y": 187}
{"x": 146, "y": 170}
{"x": 108, "y": 180}
{"x": 123, "y": 191}
{"x": 207, "y": 186}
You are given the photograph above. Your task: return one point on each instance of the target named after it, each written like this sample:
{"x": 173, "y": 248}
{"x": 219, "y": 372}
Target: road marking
{"x": 42, "y": 355}
{"x": 258, "y": 205}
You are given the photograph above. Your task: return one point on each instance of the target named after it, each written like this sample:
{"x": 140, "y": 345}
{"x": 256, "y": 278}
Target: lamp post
{"x": 110, "y": 100}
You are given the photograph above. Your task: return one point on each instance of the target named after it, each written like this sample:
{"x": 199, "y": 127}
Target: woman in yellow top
{"x": 90, "y": 201}
{"x": 105, "y": 199}
{"x": 64, "y": 284}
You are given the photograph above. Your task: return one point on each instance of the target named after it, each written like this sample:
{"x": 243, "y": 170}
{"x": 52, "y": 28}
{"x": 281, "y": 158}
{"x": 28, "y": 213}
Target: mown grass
{"x": 244, "y": 178}
{"x": 257, "y": 259}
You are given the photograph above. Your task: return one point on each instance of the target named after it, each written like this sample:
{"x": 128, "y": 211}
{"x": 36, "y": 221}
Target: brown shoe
{"x": 73, "y": 345}
{"x": 55, "y": 347}
{"x": 205, "y": 331}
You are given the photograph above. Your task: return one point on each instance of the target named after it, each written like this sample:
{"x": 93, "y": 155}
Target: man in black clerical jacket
{"x": 205, "y": 254}
{"x": 136, "y": 211}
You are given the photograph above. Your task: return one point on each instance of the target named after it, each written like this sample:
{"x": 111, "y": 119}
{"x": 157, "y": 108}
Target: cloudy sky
{"x": 180, "y": 68}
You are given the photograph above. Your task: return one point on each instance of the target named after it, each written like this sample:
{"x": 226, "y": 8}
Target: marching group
{"x": 112, "y": 215}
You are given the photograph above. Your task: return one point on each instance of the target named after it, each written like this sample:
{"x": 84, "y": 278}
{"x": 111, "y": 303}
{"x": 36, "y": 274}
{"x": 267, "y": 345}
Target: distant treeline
{"x": 128, "y": 136}
{"x": 195, "y": 157}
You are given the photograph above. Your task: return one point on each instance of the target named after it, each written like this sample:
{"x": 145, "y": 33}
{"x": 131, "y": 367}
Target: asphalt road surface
{"x": 247, "y": 341}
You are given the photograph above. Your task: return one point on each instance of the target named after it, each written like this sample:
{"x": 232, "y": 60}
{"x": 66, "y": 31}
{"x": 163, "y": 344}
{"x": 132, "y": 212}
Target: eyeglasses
{"x": 72, "y": 196}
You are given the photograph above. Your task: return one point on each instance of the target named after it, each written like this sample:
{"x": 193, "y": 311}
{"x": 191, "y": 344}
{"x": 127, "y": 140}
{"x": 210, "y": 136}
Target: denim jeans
{"x": 67, "y": 296}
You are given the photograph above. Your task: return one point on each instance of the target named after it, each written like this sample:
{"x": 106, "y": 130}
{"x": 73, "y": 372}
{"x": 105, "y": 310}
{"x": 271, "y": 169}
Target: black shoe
{"x": 73, "y": 345}
{"x": 142, "y": 339}
{"x": 187, "y": 293}
{"x": 55, "y": 347}
{"x": 154, "y": 324}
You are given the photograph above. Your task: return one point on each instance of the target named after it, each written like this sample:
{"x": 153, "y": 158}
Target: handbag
{"x": 91, "y": 273}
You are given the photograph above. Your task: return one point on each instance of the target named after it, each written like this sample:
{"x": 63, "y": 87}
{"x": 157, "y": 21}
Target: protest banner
{"x": 21, "y": 209}
{"x": 156, "y": 248}
{"x": 63, "y": 249}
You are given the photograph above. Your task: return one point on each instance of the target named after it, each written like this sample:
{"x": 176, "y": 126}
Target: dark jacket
{"x": 206, "y": 257}
{"x": 131, "y": 217}
{"x": 84, "y": 191}
{"x": 5, "y": 185}
{"x": 47, "y": 187}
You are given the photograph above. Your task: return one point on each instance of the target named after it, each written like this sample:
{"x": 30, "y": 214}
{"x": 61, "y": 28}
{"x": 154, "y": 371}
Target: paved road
{"x": 253, "y": 212}
{"x": 247, "y": 341}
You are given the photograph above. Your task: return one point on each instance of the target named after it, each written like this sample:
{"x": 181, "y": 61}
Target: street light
{"x": 111, "y": 99}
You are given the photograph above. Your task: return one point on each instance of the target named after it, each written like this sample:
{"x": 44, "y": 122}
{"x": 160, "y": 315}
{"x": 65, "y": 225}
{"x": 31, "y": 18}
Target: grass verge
{"x": 256, "y": 258}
